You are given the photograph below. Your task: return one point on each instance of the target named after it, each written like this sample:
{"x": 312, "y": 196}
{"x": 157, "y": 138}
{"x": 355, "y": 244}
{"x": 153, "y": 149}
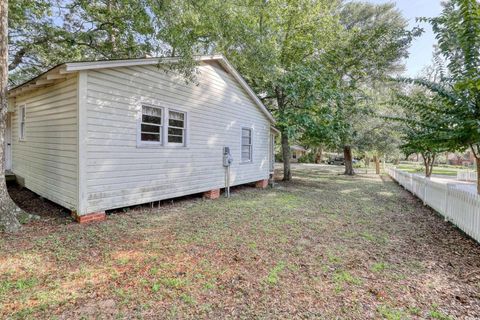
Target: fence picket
{"x": 455, "y": 205}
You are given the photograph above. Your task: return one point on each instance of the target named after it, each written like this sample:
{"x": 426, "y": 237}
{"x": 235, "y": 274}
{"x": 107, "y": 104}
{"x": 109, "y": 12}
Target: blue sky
{"x": 422, "y": 48}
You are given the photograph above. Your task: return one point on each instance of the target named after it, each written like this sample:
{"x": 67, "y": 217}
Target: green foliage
{"x": 391, "y": 313}
{"x": 307, "y": 158}
{"x": 373, "y": 42}
{"x": 43, "y": 34}
{"x": 458, "y": 32}
{"x": 311, "y": 61}
{"x": 273, "y": 275}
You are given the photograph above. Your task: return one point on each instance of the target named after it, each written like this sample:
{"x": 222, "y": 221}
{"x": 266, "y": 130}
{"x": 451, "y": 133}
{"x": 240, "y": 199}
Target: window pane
{"x": 150, "y": 128}
{"x": 246, "y": 133}
{"x": 245, "y": 141}
{"x": 174, "y": 131}
{"x": 150, "y": 137}
{"x": 245, "y": 156}
{"x": 176, "y": 123}
{"x": 175, "y": 139}
{"x": 151, "y": 119}
{"x": 176, "y": 115}
{"x": 151, "y": 111}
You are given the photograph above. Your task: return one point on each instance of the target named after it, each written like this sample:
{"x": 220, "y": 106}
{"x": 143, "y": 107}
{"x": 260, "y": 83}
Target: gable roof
{"x": 61, "y": 72}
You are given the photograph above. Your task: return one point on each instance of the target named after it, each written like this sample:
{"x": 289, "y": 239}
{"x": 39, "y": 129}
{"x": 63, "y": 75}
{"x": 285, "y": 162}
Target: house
{"x": 297, "y": 152}
{"x": 459, "y": 159}
{"x": 95, "y": 136}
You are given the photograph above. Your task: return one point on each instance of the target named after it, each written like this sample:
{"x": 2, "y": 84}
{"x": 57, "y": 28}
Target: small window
{"x": 246, "y": 145}
{"x": 151, "y": 126}
{"x": 176, "y": 127}
{"x": 23, "y": 116}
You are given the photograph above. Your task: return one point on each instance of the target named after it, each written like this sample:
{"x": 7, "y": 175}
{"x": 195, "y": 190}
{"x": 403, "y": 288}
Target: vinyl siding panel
{"x": 120, "y": 173}
{"x": 47, "y": 158}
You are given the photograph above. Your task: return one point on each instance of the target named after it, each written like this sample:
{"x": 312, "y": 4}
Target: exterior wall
{"x": 119, "y": 173}
{"x": 296, "y": 154}
{"x": 47, "y": 159}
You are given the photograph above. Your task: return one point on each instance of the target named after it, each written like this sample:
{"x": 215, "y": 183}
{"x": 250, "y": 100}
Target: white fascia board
{"x": 77, "y": 66}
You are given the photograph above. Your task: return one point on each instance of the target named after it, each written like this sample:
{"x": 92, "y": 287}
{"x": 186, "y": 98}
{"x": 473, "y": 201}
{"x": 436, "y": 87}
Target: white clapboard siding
{"x": 121, "y": 174}
{"x": 460, "y": 207}
{"x": 47, "y": 159}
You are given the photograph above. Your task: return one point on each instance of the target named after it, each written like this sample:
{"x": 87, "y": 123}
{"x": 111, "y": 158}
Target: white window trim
{"x": 185, "y": 128}
{"x": 22, "y": 137}
{"x": 164, "y": 127}
{"x": 147, "y": 144}
{"x": 251, "y": 145}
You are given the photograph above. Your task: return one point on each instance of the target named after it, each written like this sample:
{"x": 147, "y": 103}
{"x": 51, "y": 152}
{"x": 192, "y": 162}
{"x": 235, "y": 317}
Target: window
{"x": 151, "y": 125}
{"x": 246, "y": 145}
{"x": 161, "y": 126}
{"x": 23, "y": 115}
{"x": 176, "y": 127}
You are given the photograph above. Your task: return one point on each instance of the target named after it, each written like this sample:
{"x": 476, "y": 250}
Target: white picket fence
{"x": 467, "y": 175}
{"x": 460, "y": 207}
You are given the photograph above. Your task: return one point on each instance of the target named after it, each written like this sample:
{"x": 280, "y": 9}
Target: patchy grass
{"x": 440, "y": 170}
{"x": 323, "y": 246}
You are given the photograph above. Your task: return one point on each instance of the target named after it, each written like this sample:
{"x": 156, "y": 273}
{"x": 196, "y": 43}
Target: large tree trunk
{"x": 347, "y": 153}
{"x": 287, "y": 173}
{"x": 377, "y": 164}
{"x": 8, "y": 209}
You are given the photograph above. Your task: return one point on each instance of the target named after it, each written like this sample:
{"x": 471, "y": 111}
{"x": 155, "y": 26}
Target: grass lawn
{"x": 444, "y": 170}
{"x": 324, "y": 246}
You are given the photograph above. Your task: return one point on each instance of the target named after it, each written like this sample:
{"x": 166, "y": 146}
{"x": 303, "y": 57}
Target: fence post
{"x": 447, "y": 192}
{"x": 425, "y": 191}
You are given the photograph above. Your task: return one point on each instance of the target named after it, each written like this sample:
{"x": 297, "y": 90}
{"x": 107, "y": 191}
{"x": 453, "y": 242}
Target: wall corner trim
{"x": 82, "y": 142}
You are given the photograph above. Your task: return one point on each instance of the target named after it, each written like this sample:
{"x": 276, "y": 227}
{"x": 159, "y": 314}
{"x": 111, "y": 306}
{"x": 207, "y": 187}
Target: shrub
{"x": 307, "y": 158}
{"x": 359, "y": 164}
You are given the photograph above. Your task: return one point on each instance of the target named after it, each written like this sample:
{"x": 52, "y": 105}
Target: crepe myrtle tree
{"x": 426, "y": 129}
{"x": 457, "y": 30}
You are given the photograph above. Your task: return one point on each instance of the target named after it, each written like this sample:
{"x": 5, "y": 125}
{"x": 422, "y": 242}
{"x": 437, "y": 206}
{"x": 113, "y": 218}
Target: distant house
{"x": 94, "y": 136}
{"x": 465, "y": 159}
{"x": 296, "y": 152}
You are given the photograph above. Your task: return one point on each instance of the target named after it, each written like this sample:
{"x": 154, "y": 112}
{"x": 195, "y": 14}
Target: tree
{"x": 43, "y": 33}
{"x": 457, "y": 30}
{"x": 373, "y": 44}
{"x": 425, "y": 129}
{"x": 377, "y": 136}
{"x": 275, "y": 44}
{"x": 8, "y": 209}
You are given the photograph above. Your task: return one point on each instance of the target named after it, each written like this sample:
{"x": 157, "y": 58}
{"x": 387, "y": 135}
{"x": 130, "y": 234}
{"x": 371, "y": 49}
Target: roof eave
{"x": 72, "y": 67}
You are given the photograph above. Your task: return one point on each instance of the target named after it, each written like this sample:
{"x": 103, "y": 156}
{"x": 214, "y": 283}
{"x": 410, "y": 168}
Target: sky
{"x": 422, "y": 47}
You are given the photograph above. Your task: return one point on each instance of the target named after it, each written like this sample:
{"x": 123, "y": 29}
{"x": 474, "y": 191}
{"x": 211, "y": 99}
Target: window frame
{"x": 145, "y": 143}
{"x": 22, "y": 119}
{"x": 250, "y": 160}
{"x": 184, "y": 129}
{"x": 163, "y": 143}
